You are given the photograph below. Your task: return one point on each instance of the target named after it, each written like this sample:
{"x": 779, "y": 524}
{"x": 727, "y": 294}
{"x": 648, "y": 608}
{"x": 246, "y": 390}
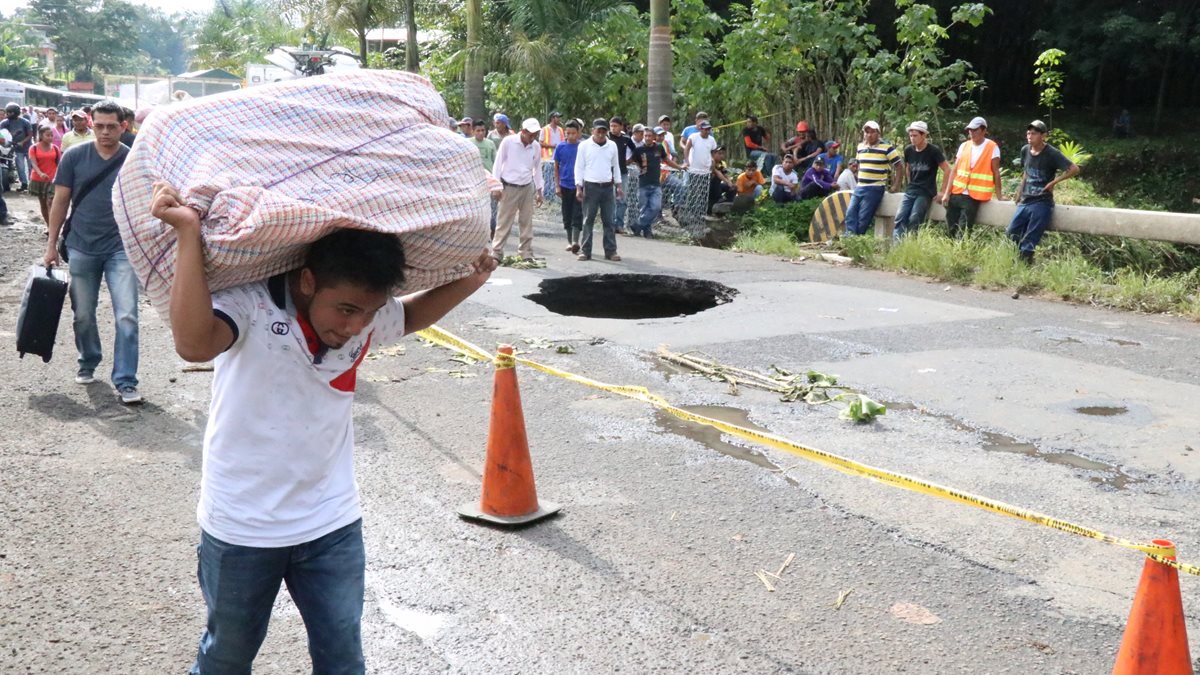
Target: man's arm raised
{"x": 199, "y": 334}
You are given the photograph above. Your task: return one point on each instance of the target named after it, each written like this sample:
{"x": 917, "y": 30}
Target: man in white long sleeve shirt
{"x": 598, "y": 186}
{"x": 518, "y": 165}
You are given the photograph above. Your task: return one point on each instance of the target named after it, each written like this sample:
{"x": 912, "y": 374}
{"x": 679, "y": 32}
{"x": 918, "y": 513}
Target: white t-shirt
{"x": 700, "y": 157}
{"x": 976, "y": 150}
{"x": 789, "y": 179}
{"x": 669, "y": 141}
{"x": 847, "y": 180}
{"x": 279, "y": 446}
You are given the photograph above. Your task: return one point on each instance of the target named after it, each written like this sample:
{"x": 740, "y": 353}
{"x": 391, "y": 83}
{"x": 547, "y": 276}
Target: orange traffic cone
{"x": 1155, "y": 641}
{"x": 509, "y": 496}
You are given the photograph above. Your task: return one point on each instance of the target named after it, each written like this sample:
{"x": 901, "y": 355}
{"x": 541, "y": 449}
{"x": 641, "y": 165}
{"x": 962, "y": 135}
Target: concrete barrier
{"x": 1180, "y": 228}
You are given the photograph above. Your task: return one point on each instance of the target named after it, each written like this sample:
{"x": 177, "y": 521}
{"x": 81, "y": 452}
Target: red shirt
{"x": 46, "y": 162}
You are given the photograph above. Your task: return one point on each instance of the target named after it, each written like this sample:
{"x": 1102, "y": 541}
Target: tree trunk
{"x": 473, "y": 73}
{"x": 412, "y": 58}
{"x": 1162, "y": 90}
{"x": 362, "y": 46}
{"x": 659, "y": 67}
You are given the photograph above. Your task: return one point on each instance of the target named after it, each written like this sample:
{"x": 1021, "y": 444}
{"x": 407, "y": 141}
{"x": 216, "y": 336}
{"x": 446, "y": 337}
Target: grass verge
{"x": 1065, "y": 269}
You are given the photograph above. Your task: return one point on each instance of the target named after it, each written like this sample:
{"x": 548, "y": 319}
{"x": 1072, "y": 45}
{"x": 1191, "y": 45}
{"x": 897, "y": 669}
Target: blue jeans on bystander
{"x": 86, "y": 272}
{"x": 239, "y": 584}
{"x": 1029, "y": 223}
{"x": 860, "y": 214}
{"x": 650, "y": 200}
{"x": 914, "y": 206}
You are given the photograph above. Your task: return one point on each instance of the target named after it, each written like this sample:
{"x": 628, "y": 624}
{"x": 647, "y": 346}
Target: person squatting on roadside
{"x": 84, "y": 182}
{"x": 278, "y": 502}
{"x": 598, "y": 186}
{"x": 876, "y": 160}
{"x": 518, "y": 166}
{"x": 785, "y": 182}
{"x": 817, "y": 181}
{"x": 1035, "y": 196}
{"x": 922, "y": 160}
{"x": 564, "y": 181}
{"x": 976, "y": 178}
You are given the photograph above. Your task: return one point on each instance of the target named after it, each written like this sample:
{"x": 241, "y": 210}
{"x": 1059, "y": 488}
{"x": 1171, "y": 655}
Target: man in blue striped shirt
{"x": 876, "y": 160}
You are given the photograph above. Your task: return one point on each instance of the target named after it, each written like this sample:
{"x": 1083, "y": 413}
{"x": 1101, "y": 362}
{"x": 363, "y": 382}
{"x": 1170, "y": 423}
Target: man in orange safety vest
{"x": 975, "y": 179}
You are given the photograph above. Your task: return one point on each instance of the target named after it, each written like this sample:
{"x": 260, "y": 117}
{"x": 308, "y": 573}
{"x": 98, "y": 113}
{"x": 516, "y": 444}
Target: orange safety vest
{"x": 548, "y": 153}
{"x": 977, "y": 181}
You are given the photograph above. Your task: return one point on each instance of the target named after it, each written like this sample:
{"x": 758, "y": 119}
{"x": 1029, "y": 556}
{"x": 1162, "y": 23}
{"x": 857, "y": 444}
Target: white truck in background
{"x": 287, "y": 63}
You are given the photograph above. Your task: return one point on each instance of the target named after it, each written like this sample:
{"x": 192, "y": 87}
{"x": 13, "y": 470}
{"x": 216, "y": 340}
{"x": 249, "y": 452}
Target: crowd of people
{"x": 613, "y": 167}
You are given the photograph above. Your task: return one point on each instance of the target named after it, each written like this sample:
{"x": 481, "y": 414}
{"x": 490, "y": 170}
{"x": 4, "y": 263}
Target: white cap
{"x": 871, "y": 124}
{"x": 531, "y": 125}
{"x": 918, "y": 126}
{"x": 976, "y": 123}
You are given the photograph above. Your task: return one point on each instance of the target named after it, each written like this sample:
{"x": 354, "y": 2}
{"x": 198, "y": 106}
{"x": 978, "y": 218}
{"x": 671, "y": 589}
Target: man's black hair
{"x": 109, "y": 107}
{"x": 617, "y": 119}
{"x": 478, "y": 123}
{"x": 752, "y": 118}
{"x": 572, "y": 124}
{"x": 372, "y": 260}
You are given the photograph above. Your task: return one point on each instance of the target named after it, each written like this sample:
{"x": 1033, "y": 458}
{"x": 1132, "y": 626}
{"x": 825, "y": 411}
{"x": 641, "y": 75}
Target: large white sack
{"x": 273, "y": 168}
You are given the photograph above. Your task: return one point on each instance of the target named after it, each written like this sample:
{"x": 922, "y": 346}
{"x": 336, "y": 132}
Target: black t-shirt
{"x": 22, "y": 132}
{"x": 757, "y": 136}
{"x": 922, "y": 169}
{"x": 1041, "y": 169}
{"x": 807, "y": 148}
{"x": 624, "y": 147}
{"x": 650, "y": 158}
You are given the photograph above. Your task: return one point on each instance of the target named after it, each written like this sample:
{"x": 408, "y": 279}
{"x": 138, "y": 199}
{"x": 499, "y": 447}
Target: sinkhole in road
{"x": 630, "y": 296}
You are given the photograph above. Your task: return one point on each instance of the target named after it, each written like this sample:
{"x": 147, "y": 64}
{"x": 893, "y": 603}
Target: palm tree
{"x": 412, "y": 58}
{"x": 360, "y": 16}
{"x": 658, "y": 67}
{"x": 473, "y": 76}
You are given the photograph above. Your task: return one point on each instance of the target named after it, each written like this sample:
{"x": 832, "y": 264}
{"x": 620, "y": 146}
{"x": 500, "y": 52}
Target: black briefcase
{"x": 41, "y": 307}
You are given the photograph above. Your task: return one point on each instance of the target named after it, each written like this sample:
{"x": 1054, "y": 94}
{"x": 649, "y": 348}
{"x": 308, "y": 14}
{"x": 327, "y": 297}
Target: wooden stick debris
{"x": 763, "y": 578}
{"x": 786, "y": 563}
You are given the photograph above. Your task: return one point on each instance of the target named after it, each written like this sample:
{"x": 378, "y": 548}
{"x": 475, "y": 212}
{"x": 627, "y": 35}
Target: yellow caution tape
{"x": 1161, "y": 554}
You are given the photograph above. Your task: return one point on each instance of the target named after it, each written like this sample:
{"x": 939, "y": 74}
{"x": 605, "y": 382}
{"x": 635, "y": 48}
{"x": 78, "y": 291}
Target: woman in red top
{"x": 43, "y": 164}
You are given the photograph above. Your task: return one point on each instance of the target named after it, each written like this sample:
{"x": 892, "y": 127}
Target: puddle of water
{"x": 994, "y": 442}
{"x": 1102, "y": 410}
{"x": 668, "y": 370}
{"x": 711, "y": 437}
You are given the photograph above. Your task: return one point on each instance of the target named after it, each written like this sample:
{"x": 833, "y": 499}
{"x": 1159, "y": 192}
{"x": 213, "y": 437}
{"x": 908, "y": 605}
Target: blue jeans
{"x": 86, "y": 271}
{"x": 494, "y": 202}
{"x": 22, "y": 157}
{"x": 860, "y": 214}
{"x": 548, "y": 180}
{"x": 650, "y": 200}
{"x": 239, "y": 584}
{"x": 1029, "y": 223}
{"x": 598, "y": 199}
{"x": 914, "y": 206}
{"x": 621, "y": 206}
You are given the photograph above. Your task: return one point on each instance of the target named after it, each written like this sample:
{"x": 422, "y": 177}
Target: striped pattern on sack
{"x": 278, "y": 166}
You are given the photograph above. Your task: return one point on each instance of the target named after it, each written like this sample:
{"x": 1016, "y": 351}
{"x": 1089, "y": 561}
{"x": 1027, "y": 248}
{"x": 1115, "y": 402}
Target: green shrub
{"x": 792, "y": 219}
{"x": 767, "y": 243}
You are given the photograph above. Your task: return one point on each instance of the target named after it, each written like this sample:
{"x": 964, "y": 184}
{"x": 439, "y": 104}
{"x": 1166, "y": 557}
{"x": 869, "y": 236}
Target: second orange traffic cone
{"x": 509, "y": 496}
{"x": 1155, "y": 641}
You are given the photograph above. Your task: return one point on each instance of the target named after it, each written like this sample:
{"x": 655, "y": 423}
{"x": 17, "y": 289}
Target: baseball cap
{"x": 466, "y": 120}
{"x": 834, "y": 144}
{"x": 819, "y": 160}
{"x": 871, "y": 124}
{"x": 706, "y": 124}
{"x": 662, "y": 118}
{"x": 599, "y": 123}
{"x": 802, "y": 125}
{"x": 639, "y": 127}
{"x": 1038, "y": 126}
{"x": 500, "y": 117}
{"x": 555, "y": 114}
{"x": 531, "y": 125}
{"x": 79, "y": 113}
{"x": 918, "y": 126}
{"x": 976, "y": 123}
{"x": 658, "y": 130}
{"x": 701, "y": 115}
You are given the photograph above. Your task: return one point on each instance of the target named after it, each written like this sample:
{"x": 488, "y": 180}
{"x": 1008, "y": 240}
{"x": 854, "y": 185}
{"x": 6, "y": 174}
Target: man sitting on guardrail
{"x": 1035, "y": 196}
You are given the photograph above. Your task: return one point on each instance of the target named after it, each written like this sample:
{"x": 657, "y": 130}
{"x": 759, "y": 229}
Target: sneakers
{"x": 614, "y": 257}
{"x": 581, "y": 256}
{"x": 129, "y": 395}
{"x": 84, "y": 377}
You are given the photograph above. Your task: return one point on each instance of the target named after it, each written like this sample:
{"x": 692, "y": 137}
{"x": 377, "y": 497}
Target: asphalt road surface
{"x": 1080, "y": 413}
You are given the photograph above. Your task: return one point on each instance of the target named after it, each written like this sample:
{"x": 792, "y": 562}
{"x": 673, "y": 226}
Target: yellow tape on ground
{"x": 1162, "y": 554}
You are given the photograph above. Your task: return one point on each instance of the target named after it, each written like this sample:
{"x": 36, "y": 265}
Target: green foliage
{"x": 89, "y": 35}
{"x": 1074, "y": 152}
{"x": 238, "y": 32}
{"x": 1124, "y": 273}
{"x": 1048, "y": 78}
{"x": 791, "y": 219}
{"x": 861, "y": 408}
{"x": 781, "y": 244}
{"x": 17, "y": 61}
